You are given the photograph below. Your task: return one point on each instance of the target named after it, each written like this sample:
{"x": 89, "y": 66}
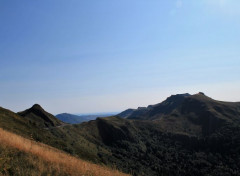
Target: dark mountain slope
{"x": 201, "y": 115}
{"x": 145, "y": 148}
{"x": 209, "y": 113}
{"x": 192, "y": 114}
{"x": 126, "y": 113}
{"x": 39, "y": 117}
{"x": 155, "y": 111}
{"x": 200, "y": 136}
{"x": 108, "y": 130}
{"x": 195, "y": 135}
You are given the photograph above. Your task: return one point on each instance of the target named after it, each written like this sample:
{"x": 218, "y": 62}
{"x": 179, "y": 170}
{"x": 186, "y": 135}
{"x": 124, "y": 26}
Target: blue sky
{"x": 86, "y": 56}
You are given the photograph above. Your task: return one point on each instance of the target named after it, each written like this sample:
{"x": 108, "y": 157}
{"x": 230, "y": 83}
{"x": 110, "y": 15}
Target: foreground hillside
{"x": 20, "y": 156}
{"x": 184, "y": 135}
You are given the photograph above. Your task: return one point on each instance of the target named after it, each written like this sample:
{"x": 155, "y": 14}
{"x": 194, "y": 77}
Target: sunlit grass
{"x": 60, "y": 162}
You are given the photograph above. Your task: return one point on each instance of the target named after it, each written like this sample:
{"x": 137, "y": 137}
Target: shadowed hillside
{"x": 184, "y": 135}
{"x": 155, "y": 111}
{"x": 39, "y": 117}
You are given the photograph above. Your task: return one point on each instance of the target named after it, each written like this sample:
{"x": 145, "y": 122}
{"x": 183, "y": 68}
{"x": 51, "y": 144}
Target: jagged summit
{"x": 201, "y": 97}
{"x": 201, "y": 93}
{"x": 182, "y": 95}
{"x": 177, "y": 97}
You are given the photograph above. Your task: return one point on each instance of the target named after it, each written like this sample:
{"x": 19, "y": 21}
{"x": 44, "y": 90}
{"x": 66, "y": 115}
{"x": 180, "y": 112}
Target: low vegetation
{"x": 185, "y": 136}
{"x": 20, "y": 156}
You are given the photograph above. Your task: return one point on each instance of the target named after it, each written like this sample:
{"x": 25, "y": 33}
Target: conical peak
{"x": 37, "y": 107}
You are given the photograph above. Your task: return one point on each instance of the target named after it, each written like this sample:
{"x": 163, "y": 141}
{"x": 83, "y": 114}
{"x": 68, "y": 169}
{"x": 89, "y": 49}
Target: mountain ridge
{"x": 194, "y": 135}
{"x": 148, "y": 113}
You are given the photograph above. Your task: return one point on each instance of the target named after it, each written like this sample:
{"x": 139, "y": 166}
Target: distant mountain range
{"x": 75, "y": 119}
{"x": 184, "y": 135}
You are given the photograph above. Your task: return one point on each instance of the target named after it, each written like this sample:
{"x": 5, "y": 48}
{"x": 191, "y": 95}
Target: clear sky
{"x": 86, "y": 56}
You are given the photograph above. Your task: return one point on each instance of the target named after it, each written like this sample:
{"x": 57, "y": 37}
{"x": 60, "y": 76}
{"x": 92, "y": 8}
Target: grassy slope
{"x": 186, "y": 142}
{"x": 67, "y": 138}
{"x": 21, "y": 156}
{"x": 64, "y": 138}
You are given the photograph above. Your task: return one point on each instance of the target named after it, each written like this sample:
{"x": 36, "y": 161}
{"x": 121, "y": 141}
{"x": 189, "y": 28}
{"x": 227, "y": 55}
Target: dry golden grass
{"x": 56, "y": 159}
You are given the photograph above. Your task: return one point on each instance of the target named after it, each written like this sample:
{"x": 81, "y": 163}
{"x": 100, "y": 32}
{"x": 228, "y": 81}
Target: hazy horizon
{"x": 107, "y": 56}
